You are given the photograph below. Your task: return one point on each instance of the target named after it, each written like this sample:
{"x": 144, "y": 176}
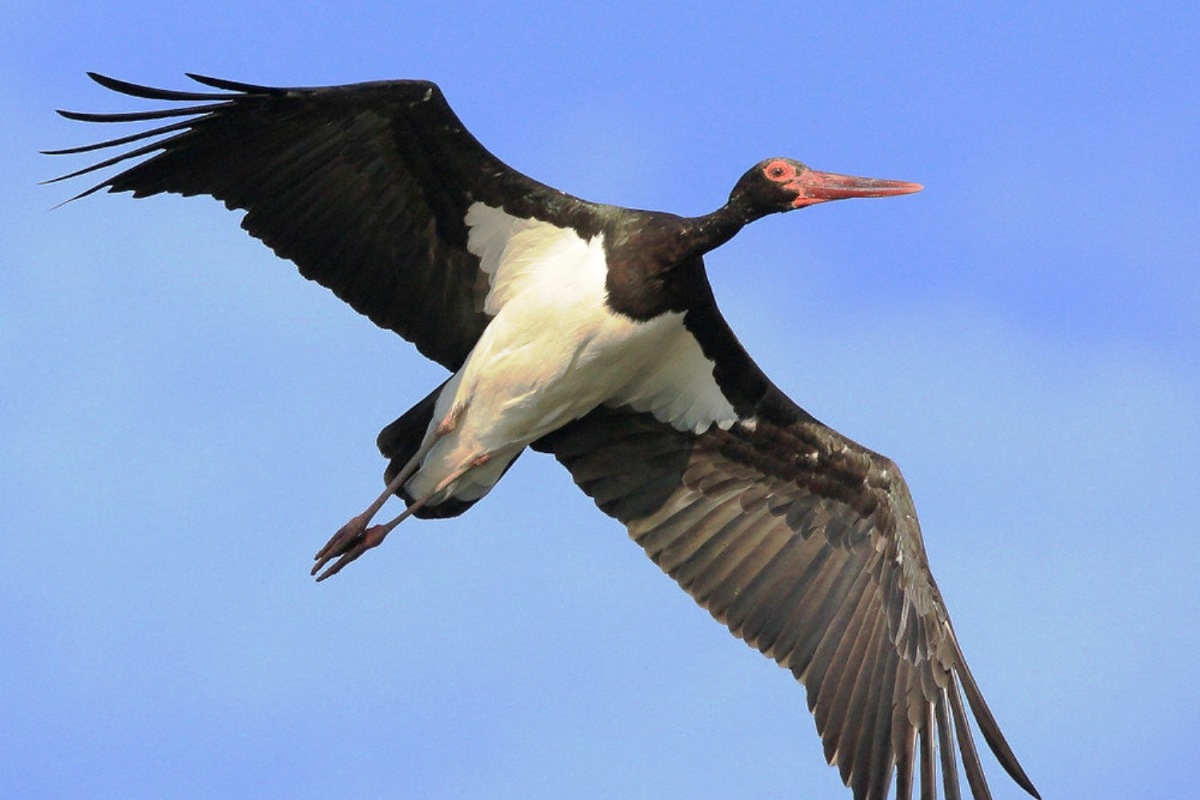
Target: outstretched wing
{"x": 807, "y": 546}
{"x": 365, "y": 187}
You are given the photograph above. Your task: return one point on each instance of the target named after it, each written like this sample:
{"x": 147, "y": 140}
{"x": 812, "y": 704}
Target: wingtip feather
{"x": 991, "y": 729}
{"x": 233, "y": 86}
{"x": 148, "y": 92}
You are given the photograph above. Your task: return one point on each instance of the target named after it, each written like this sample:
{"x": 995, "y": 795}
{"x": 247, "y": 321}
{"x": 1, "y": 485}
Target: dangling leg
{"x": 356, "y": 528}
{"x": 350, "y": 543}
{"x": 357, "y": 525}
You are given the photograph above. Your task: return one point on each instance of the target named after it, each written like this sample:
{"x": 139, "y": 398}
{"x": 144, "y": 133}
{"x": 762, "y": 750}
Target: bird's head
{"x": 784, "y": 184}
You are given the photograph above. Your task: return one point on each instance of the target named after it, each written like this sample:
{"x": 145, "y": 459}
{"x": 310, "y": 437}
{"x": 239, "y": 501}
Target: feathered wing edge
{"x": 220, "y": 100}
{"x": 364, "y": 187}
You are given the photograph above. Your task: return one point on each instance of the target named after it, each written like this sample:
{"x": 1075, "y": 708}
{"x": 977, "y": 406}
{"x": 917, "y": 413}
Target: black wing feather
{"x": 365, "y": 187}
{"x": 807, "y": 546}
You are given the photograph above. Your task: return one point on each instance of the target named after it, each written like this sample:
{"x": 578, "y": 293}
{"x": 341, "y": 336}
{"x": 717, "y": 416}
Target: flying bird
{"x": 590, "y": 332}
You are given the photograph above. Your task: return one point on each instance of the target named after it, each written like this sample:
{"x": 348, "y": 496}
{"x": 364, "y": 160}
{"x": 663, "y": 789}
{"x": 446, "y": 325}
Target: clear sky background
{"x": 184, "y": 421}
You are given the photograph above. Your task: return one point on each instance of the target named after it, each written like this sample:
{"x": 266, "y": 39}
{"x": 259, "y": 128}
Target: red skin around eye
{"x": 787, "y": 174}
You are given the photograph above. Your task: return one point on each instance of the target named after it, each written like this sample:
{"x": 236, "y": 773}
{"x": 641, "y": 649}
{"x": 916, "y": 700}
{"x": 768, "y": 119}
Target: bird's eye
{"x": 779, "y": 170}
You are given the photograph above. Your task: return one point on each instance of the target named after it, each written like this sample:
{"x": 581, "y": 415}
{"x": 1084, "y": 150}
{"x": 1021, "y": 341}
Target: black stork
{"x": 590, "y": 332}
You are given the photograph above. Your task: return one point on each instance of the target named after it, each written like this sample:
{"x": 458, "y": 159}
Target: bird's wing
{"x": 807, "y": 546}
{"x": 365, "y": 187}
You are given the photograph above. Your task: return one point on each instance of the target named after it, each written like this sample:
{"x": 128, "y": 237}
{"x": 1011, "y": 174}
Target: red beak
{"x": 814, "y": 187}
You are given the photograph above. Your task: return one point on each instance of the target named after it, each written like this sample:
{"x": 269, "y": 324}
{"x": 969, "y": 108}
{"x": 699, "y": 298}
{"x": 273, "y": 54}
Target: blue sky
{"x": 185, "y": 420}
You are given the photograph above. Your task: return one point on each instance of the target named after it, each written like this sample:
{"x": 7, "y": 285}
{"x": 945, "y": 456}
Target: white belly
{"x": 552, "y": 353}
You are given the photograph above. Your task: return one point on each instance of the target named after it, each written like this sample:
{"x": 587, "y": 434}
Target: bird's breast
{"x": 554, "y": 349}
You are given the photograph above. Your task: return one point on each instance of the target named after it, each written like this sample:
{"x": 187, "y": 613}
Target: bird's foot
{"x": 351, "y": 541}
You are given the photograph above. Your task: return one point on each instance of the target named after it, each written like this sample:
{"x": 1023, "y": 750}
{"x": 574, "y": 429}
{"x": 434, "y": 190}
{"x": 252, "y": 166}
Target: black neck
{"x": 699, "y": 235}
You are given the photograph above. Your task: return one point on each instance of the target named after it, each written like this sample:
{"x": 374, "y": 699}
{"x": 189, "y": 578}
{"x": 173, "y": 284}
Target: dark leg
{"x": 354, "y": 538}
